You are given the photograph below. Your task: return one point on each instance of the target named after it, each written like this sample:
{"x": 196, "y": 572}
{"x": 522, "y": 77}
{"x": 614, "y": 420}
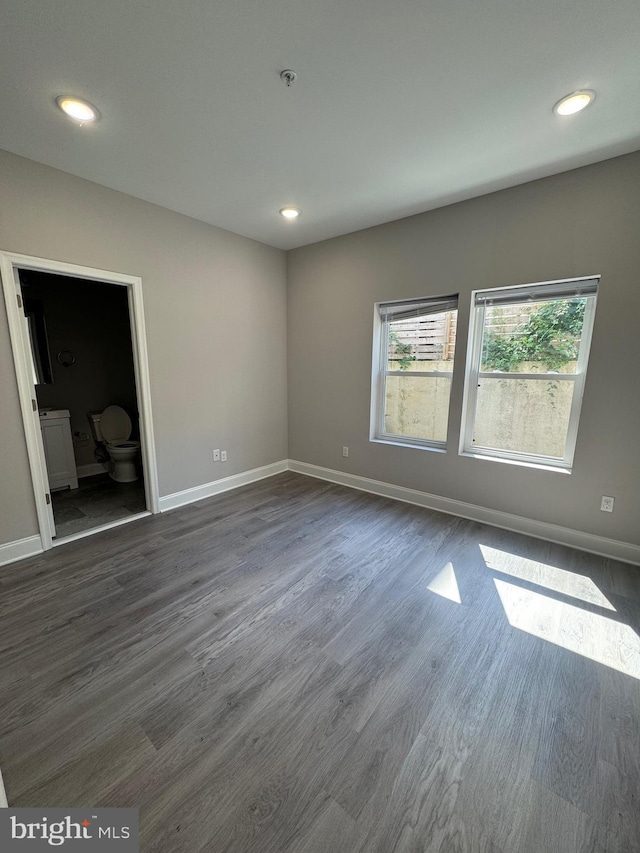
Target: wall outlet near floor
{"x": 223, "y": 456}
{"x": 606, "y": 505}
{"x": 216, "y": 455}
{"x": 345, "y": 451}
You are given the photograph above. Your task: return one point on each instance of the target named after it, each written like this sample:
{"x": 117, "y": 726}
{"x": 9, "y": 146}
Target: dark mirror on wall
{"x": 34, "y": 313}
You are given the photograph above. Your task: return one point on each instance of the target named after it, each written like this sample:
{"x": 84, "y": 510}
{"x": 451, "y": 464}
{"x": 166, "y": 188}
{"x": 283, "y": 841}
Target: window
{"x": 528, "y": 353}
{"x": 413, "y": 365}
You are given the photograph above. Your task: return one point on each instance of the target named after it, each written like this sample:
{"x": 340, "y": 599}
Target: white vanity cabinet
{"x": 58, "y": 448}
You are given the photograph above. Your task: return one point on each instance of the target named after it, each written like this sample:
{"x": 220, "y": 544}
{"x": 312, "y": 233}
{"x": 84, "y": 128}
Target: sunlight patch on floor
{"x": 446, "y": 585}
{"x": 551, "y": 577}
{"x": 596, "y": 637}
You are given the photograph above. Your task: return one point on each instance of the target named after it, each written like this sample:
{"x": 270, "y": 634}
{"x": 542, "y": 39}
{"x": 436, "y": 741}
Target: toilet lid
{"x": 115, "y": 424}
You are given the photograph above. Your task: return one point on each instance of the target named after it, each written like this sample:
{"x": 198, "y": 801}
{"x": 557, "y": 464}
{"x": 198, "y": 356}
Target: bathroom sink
{"x": 54, "y": 413}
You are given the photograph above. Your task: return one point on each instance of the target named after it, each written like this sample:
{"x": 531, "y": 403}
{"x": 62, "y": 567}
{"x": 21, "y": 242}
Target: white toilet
{"x": 113, "y": 428}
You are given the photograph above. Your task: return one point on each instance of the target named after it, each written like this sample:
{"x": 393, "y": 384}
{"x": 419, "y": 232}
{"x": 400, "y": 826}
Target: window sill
{"x": 434, "y": 448}
{"x": 556, "y": 469}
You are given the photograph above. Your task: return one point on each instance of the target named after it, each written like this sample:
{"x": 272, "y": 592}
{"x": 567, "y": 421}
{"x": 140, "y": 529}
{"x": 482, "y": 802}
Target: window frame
{"x": 380, "y": 373}
{"x": 474, "y": 374}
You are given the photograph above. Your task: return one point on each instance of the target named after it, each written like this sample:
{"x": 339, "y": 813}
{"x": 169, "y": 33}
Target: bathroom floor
{"x": 98, "y": 500}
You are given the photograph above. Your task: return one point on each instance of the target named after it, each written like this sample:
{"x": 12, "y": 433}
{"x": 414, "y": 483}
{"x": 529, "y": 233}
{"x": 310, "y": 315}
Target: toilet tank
{"x": 94, "y": 420}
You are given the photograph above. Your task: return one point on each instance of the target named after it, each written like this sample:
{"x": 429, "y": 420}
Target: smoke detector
{"x": 288, "y": 76}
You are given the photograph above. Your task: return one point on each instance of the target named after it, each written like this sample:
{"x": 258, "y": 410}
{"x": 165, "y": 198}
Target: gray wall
{"x": 216, "y": 322}
{"x": 215, "y": 308}
{"x": 580, "y": 222}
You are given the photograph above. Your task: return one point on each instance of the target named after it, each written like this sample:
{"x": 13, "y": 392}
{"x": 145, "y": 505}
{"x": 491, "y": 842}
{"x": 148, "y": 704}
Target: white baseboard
{"x": 21, "y": 548}
{"x": 625, "y": 551}
{"x": 207, "y": 490}
{"x": 91, "y": 469}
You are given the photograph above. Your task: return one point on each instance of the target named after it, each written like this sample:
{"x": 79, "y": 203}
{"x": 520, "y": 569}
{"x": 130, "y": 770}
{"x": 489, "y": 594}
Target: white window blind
{"x": 569, "y": 289}
{"x": 390, "y": 311}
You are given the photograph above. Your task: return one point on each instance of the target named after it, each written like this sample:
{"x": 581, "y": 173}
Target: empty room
{"x": 320, "y": 482}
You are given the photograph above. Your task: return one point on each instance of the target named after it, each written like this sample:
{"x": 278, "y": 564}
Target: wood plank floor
{"x": 296, "y": 667}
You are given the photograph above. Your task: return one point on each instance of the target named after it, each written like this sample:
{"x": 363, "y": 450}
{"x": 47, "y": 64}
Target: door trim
{"x": 9, "y": 264}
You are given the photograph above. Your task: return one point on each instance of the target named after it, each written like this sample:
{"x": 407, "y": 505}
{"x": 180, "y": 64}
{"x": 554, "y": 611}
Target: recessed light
{"x": 77, "y": 109}
{"x": 574, "y": 102}
{"x": 290, "y": 212}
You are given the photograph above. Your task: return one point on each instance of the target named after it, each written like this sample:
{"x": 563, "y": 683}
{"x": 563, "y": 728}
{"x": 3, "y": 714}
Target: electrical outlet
{"x": 345, "y": 451}
{"x": 216, "y": 455}
{"x": 606, "y": 505}
{"x": 223, "y": 456}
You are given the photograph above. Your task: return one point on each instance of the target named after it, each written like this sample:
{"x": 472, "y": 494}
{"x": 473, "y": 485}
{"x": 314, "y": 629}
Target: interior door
{"x": 28, "y": 349}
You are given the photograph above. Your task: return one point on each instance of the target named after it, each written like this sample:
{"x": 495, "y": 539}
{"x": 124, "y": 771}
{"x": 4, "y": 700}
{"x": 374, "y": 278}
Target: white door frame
{"x": 10, "y": 263}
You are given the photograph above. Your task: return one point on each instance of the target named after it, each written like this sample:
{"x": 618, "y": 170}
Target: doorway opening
{"x": 80, "y": 355}
{"x": 80, "y": 338}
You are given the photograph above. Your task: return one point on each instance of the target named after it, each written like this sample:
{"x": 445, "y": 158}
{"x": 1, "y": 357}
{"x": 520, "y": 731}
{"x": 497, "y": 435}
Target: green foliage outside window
{"x": 551, "y": 335}
{"x": 402, "y": 353}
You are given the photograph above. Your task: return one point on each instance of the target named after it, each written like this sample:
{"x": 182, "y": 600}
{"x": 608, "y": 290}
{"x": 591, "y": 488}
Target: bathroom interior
{"x": 85, "y": 385}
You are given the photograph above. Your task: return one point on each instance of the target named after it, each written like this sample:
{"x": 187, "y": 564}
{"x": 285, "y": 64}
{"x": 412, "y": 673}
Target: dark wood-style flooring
{"x": 296, "y": 667}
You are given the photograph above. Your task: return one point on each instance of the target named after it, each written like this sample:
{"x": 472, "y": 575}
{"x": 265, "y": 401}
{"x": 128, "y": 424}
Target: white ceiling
{"x": 400, "y": 105}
